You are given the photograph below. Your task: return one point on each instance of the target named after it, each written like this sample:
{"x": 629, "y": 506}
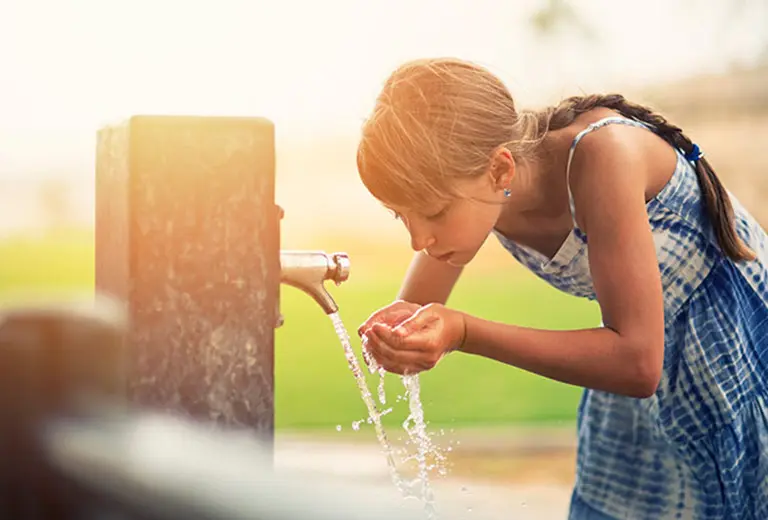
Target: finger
{"x": 375, "y": 318}
{"x": 401, "y": 361}
{"x": 392, "y": 359}
{"x": 424, "y": 343}
{"x": 370, "y": 319}
{"x": 413, "y": 342}
{"x": 392, "y": 314}
{"x": 422, "y": 319}
{"x": 392, "y": 320}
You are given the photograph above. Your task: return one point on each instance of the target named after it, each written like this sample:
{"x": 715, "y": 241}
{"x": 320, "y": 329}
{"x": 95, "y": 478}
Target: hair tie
{"x": 695, "y": 154}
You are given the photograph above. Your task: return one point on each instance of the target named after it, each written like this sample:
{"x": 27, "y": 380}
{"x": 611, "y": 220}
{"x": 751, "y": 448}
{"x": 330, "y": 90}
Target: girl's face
{"x": 455, "y": 231}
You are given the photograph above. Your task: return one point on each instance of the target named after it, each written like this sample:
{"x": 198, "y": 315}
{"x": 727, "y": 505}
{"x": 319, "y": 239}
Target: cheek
{"x": 470, "y": 228}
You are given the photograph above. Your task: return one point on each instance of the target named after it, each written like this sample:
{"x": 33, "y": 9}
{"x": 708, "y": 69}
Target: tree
{"x": 557, "y": 15}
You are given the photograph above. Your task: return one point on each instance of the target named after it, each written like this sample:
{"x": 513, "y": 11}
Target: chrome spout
{"x": 308, "y": 271}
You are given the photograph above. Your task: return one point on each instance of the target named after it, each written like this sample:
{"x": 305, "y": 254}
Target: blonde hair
{"x": 438, "y": 120}
{"x": 435, "y": 121}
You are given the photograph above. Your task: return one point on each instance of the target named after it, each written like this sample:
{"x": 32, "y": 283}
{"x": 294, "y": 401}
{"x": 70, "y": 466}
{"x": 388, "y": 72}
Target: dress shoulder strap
{"x": 591, "y": 128}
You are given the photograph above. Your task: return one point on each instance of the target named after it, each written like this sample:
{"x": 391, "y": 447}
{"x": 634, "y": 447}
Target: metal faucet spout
{"x": 308, "y": 270}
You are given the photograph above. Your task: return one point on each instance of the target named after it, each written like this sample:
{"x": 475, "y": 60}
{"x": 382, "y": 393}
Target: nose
{"x": 421, "y": 237}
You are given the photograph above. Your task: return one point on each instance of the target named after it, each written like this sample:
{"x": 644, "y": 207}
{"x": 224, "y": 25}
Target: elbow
{"x": 645, "y": 385}
{"x": 646, "y": 369}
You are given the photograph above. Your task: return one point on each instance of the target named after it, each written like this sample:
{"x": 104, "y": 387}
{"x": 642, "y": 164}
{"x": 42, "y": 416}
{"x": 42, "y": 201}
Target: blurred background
{"x": 68, "y": 68}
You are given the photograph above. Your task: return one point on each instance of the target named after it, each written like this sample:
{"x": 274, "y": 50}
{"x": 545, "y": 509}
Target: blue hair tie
{"x": 695, "y": 154}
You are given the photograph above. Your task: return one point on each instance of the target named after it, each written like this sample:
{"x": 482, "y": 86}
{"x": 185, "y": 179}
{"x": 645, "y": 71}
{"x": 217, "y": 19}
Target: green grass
{"x": 314, "y": 388}
{"x": 58, "y": 262}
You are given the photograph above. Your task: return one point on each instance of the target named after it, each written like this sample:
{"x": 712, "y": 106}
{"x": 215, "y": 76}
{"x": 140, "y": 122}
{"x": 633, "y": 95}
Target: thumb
{"x": 419, "y": 320}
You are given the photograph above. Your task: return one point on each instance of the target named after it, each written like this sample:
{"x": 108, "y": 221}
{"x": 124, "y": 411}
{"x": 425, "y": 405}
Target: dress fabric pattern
{"x": 697, "y": 448}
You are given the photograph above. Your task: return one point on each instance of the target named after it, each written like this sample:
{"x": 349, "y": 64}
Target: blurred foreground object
{"x": 50, "y": 358}
{"x": 72, "y": 449}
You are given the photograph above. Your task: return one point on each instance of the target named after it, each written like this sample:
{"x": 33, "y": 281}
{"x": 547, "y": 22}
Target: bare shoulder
{"x": 618, "y": 156}
{"x": 615, "y": 138}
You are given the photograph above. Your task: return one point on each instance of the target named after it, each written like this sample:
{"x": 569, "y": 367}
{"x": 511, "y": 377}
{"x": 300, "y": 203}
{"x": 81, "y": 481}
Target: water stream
{"x": 373, "y": 413}
{"x": 414, "y": 424}
{"x": 416, "y": 428}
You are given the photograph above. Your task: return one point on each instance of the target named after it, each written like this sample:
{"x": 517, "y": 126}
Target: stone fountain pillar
{"x": 187, "y": 237}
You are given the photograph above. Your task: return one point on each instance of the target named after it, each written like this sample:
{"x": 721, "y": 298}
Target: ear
{"x": 502, "y": 168}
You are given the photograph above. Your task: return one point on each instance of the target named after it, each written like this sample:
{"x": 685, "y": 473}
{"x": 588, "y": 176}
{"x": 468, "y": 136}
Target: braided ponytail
{"x": 716, "y": 200}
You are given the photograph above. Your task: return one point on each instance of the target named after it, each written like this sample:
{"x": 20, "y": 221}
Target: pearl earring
{"x": 507, "y": 192}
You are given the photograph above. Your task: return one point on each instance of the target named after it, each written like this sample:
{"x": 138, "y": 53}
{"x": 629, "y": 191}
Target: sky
{"x": 68, "y": 67}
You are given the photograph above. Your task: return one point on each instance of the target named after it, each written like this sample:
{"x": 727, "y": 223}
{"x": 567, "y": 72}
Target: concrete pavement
{"x": 487, "y": 479}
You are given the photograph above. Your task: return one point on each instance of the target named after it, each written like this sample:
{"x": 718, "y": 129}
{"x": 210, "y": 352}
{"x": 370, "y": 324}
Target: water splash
{"x": 414, "y": 425}
{"x": 382, "y": 394}
{"x": 373, "y": 413}
{"x": 374, "y": 367}
{"x": 416, "y": 429}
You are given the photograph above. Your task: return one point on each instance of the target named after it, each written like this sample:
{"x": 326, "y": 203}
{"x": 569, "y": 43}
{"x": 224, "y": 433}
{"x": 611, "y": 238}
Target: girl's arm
{"x": 428, "y": 280}
{"x": 608, "y": 179}
{"x": 596, "y": 358}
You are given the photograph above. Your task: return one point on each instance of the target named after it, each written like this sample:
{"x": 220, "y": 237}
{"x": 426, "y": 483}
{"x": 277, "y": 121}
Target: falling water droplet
{"x": 414, "y": 425}
{"x": 382, "y": 394}
{"x": 373, "y": 413}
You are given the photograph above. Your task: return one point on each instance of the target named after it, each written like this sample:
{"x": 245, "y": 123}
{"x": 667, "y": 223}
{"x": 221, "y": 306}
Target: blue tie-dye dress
{"x": 698, "y": 448}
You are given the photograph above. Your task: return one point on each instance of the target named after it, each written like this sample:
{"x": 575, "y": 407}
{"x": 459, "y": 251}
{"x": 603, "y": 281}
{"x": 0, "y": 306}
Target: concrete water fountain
{"x": 187, "y": 236}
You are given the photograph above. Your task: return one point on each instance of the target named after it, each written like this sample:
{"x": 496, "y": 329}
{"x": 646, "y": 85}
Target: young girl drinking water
{"x": 606, "y": 200}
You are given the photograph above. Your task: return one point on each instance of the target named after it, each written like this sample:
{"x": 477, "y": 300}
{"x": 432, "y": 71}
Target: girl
{"x": 606, "y": 200}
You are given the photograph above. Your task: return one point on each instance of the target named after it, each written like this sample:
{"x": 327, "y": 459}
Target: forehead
{"x": 473, "y": 189}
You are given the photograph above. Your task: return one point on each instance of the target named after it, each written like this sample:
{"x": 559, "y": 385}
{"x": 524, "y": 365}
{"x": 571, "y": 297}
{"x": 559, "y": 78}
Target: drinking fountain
{"x": 188, "y": 239}
{"x": 309, "y": 270}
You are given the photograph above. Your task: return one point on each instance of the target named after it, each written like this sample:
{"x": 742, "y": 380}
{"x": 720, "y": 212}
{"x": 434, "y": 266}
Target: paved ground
{"x": 491, "y": 476}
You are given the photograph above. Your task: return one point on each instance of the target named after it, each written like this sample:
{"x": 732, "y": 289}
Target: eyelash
{"x": 438, "y": 214}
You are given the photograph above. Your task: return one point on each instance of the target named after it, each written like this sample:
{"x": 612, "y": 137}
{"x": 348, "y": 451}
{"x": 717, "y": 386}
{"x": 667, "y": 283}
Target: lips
{"x": 442, "y": 258}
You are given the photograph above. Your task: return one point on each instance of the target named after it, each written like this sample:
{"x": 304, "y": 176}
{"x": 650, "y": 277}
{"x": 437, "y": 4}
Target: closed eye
{"x": 439, "y": 214}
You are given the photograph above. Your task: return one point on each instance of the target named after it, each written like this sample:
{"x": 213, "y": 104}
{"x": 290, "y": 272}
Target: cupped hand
{"x": 391, "y": 315}
{"x": 419, "y": 342}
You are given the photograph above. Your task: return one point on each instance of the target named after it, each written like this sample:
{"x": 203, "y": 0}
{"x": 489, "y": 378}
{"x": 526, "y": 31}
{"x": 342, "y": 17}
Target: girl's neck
{"x": 539, "y": 188}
